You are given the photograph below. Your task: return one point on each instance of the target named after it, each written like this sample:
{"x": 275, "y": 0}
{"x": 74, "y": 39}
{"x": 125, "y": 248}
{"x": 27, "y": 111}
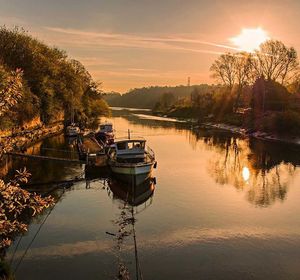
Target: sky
{"x": 127, "y": 44}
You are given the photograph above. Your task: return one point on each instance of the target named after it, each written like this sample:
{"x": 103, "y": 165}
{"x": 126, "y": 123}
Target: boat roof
{"x": 107, "y": 123}
{"x": 134, "y": 139}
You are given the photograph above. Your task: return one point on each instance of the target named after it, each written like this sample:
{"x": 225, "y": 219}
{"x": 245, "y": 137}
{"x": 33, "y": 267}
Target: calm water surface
{"x": 222, "y": 208}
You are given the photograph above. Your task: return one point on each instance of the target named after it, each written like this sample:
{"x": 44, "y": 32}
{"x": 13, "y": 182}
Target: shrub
{"x": 288, "y": 123}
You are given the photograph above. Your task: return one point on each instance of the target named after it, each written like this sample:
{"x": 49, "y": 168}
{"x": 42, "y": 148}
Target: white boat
{"x": 72, "y": 130}
{"x": 106, "y": 128}
{"x": 131, "y": 157}
{"x": 105, "y": 134}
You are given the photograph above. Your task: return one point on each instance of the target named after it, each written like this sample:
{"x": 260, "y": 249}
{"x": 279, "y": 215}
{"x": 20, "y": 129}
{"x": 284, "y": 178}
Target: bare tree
{"x": 224, "y": 69}
{"x": 234, "y": 69}
{"x": 243, "y": 73}
{"x": 275, "y": 61}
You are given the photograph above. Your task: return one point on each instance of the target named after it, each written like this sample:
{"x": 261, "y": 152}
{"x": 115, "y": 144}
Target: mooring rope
{"x": 36, "y": 234}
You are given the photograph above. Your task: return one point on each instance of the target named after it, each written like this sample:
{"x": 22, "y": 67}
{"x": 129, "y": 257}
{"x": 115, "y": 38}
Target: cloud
{"x": 11, "y": 21}
{"x": 81, "y": 38}
{"x": 95, "y": 61}
{"x": 176, "y": 238}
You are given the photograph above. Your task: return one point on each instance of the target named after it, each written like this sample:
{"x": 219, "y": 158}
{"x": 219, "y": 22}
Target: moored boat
{"x": 131, "y": 158}
{"x": 105, "y": 134}
{"x": 72, "y": 130}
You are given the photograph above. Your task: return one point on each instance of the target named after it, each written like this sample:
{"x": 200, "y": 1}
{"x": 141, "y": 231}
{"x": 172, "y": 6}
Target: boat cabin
{"x": 72, "y": 130}
{"x": 106, "y": 128}
{"x": 130, "y": 148}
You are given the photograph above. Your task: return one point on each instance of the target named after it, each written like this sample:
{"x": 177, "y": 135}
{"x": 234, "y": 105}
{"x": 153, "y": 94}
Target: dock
{"x": 89, "y": 144}
{"x": 16, "y": 154}
{"x": 90, "y": 152}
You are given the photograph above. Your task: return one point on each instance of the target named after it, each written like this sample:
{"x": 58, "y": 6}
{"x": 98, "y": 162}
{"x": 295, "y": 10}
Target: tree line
{"x": 149, "y": 97}
{"x": 51, "y": 83}
{"x": 258, "y": 90}
{"x": 273, "y": 61}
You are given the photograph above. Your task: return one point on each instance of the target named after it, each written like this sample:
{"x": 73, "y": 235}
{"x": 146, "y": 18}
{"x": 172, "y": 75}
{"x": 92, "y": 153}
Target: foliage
{"x": 15, "y": 203}
{"x": 288, "y": 122}
{"x": 11, "y": 89}
{"x": 270, "y": 95}
{"x": 53, "y": 84}
{"x": 273, "y": 62}
{"x": 166, "y": 101}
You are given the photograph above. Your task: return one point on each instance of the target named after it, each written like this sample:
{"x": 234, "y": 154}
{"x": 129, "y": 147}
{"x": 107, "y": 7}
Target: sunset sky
{"x": 135, "y": 43}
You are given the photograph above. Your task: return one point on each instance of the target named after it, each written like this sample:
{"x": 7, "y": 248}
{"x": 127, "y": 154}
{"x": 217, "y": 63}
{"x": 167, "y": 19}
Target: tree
{"x": 243, "y": 74}
{"x": 11, "y": 92}
{"x": 224, "y": 69}
{"x": 166, "y": 101}
{"x": 54, "y": 84}
{"x": 274, "y": 61}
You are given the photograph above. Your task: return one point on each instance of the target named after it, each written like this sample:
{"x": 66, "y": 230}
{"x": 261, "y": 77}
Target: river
{"x": 223, "y": 207}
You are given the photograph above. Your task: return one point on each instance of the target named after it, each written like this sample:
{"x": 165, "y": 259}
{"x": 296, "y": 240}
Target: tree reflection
{"x": 262, "y": 170}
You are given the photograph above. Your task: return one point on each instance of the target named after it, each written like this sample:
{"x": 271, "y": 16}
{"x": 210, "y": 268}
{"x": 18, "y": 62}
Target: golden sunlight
{"x": 246, "y": 174}
{"x": 250, "y": 39}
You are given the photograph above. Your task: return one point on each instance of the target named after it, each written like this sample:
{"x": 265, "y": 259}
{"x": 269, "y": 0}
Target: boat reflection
{"x": 133, "y": 194}
{"x": 133, "y": 199}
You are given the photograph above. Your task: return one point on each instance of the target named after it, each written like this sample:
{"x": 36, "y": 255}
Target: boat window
{"x": 134, "y": 145}
{"x": 130, "y": 145}
{"x": 121, "y": 146}
{"x": 137, "y": 145}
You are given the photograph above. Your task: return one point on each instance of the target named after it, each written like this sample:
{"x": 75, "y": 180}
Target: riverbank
{"x": 257, "y": 134}
{"x": 19, "y": 140}
{"x": 236, "y": 129}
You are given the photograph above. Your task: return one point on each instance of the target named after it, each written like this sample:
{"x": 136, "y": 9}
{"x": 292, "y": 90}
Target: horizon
{"x": 174, "y": 41}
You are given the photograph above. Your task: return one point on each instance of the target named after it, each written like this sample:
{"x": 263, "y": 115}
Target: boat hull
{"x": 132, "y": 174}
{"x": 132, "y": 170}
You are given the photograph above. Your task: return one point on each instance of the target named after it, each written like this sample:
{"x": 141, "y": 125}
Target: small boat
{"x": 105, "y": 134}
{"x": 72, "y": 130}
{"x": 131, "y": 158}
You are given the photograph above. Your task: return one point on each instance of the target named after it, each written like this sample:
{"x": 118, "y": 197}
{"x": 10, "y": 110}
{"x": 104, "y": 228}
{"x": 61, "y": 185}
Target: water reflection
{"x": 133, "y": 195}
{"x": 263, "y": 170}
{"x": 130, "y": 197}
{"x": 198, "y": 216}
{"x": 249, "y": 166}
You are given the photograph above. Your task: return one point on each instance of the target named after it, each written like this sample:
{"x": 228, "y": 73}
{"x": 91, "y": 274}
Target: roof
{"x": 106, "y": 124}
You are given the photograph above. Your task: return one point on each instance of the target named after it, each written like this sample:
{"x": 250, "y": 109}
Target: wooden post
{"x": 87, "y": 156}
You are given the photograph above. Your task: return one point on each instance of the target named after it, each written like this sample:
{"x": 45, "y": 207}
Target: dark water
{"x": 222, "y": 208}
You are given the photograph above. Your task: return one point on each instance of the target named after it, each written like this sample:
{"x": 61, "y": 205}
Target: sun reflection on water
{"x": 246, "y": 174}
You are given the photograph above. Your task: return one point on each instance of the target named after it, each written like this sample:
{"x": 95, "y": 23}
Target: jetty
{"x": 18, "y": 154}
{"x": 89, "y": 152}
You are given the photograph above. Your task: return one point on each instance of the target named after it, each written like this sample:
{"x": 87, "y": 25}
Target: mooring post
{"x": 87, "y": 156}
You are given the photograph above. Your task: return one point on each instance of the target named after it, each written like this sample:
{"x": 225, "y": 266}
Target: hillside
{"x": 148, "y": 97}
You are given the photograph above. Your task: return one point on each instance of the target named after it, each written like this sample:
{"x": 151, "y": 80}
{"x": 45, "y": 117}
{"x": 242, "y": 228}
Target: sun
{"x": 250, "y": 39}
